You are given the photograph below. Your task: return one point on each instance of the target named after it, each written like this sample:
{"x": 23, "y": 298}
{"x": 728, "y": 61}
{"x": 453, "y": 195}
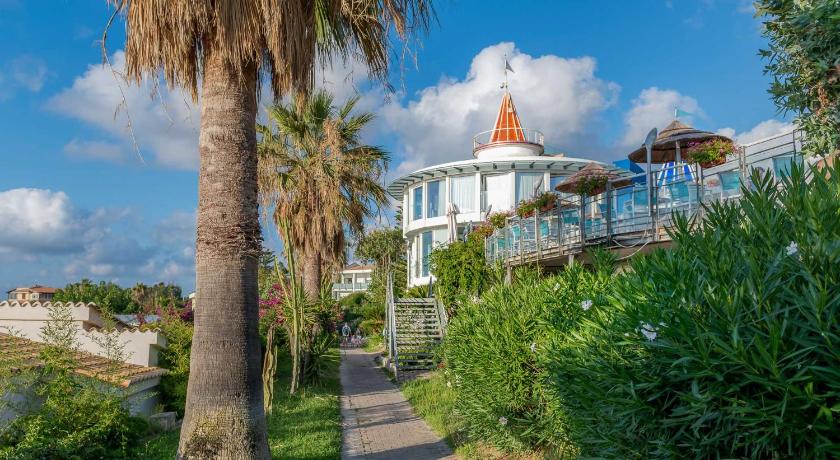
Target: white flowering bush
{"x": 496, "y": 350}
{"x": 727, "y": 346}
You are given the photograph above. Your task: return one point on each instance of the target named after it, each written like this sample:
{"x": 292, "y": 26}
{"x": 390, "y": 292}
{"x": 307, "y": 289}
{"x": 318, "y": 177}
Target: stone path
{"x": 378, "y": 422}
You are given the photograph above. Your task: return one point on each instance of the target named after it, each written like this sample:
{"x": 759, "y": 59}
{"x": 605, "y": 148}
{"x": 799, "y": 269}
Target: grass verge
{"x": 306, "y": 425}
{"x": 434, "y": 400}
{"x": 374, "y": 343}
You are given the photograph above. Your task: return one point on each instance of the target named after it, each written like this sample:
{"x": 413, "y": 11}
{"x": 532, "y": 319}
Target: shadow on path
{"x": 378, "y": 422}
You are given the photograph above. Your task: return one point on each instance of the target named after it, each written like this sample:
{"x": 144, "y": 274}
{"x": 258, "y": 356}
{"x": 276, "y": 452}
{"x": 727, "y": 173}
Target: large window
{"x": 417, "y": 203}
{"x": 462, "y": 193}
{"x": 435, "y": 199}
{"x": 427, "y": 242}
{"x": 495, "y": 192}
{"x": 528, "y": 184}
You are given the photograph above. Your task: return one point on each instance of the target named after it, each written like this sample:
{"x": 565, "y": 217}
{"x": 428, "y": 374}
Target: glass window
{"x": 782, "y": 165}
{"x": 495, "y": 192}
{"x": 555, "y": 181}
{"x": 427, "y": 250}
{"x": 436, "y": 201}
{"x": 417, "y": 203}
{"x": 528, "y": 184}
{"x": 462, "y": 193}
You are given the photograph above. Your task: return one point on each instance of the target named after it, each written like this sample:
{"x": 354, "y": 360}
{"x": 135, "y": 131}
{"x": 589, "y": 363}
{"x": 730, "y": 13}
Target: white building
{"x": 353, "y": 278}
{"x": 509, "y": 165}
{"x": 21, "y": 325}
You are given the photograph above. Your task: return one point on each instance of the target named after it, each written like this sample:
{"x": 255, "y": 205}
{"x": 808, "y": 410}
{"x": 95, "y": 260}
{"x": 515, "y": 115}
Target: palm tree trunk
{"x": 312, "y": 288}
{"x": 224, "y": 417}
{"x": 312, "y": 275}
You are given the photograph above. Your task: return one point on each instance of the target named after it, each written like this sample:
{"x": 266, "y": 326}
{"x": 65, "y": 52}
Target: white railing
{"x": 508, "y": 136}
{"x": 634, "y": 215}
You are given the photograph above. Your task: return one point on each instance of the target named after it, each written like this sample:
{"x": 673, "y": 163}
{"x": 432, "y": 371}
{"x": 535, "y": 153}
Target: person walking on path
{"x": 345, "y": 334}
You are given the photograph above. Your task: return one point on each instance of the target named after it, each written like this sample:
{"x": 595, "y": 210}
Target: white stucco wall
{"x": 28, "y": 320}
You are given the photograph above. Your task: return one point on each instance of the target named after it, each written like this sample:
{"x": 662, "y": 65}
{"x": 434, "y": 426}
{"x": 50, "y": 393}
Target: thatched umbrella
{"x": 669, "y": 142}
{"x": 593, "y": 177}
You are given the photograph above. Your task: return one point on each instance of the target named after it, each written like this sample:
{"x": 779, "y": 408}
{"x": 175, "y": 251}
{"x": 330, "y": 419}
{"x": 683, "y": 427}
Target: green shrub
{"x": 496, "y": 348}
{"x": 727, "y": 346}
{"x": 371, "y": 327}
{"x": 76, "y": 420}
{"x": 176, "y": 359}
{"x": 460, "y": 272}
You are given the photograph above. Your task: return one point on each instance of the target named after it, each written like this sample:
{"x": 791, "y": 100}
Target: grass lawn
{"x": 374, "y": 343}
{"x": 303, "y": 426}
{"x": 433, "y": 400}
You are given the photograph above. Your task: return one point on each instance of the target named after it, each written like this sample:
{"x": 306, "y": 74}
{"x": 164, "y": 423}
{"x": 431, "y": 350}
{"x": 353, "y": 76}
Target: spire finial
{"x": 507, "y": 68}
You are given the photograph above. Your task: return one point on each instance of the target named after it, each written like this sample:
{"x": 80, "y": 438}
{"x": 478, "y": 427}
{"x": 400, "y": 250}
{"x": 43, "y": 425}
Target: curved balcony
{"x": 508, "y": 136}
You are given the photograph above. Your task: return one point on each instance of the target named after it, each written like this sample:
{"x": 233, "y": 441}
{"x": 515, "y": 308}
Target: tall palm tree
{"x": 223, "y": 47}
{"x": 317, "y": 175}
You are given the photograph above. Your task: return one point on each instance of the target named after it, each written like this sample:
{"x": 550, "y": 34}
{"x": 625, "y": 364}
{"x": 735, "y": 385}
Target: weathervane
{"x": 507, "y": 68}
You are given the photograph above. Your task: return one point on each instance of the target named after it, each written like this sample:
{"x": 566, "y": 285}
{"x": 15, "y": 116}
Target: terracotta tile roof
{"x": 35, "y": 288}
{"x": 27, "y": 353}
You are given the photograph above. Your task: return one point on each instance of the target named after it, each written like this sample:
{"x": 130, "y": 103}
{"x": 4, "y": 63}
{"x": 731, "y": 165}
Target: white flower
{"x": 503, "y": 421}
{"x": 586, "y": 304}
{"x": 648, "y": 331}
{"x": 792, "y": 248}
{"x": 533, "y": 347}
{"x": 448, "y": 384}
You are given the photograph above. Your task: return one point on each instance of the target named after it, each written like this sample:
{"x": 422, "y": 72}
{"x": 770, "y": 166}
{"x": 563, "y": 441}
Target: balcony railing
{"x": 508, "y": 136}
{"x": 634, "y": 215}
{"x": 350, "y": 286}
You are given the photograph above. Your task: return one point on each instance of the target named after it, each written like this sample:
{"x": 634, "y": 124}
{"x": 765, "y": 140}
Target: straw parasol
{"x": 669, "y": 141}
{"x": 589, "y": 172}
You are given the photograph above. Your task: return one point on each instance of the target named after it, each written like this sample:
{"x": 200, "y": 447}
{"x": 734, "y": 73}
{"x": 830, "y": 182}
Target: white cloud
{"x": 95, "y": 150}
{"x": 45, "y": 238}
{"x": 164, "y": 122}
{"x": 38, "y": 220}
{"x": 765, "y": 129}
{"x": 558, "y": 96}
{"x": 655, "y": 108}
{"x": 28, "y": 72}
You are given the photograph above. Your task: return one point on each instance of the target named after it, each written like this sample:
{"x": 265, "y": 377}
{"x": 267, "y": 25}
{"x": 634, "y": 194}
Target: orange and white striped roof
{"x": 508, "y": 128}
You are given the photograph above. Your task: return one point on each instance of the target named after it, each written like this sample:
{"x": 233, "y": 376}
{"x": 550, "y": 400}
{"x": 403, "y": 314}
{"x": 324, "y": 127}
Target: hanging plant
{"x": 499, "y": 219}
{"x": 544, "y": 202}
{"x": 592, "y": 185}
{"x": 710, "y": 153}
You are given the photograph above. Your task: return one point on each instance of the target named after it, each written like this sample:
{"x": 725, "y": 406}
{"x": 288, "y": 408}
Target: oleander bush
{"x": 726, "y": 346}
{"x": 496, "y": 352}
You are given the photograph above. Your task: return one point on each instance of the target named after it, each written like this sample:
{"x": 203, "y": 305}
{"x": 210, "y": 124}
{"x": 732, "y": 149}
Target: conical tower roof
{"x": 508, "y": 128}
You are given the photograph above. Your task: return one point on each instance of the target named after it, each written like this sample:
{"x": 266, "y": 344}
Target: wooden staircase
{"x": 415, "y": 329}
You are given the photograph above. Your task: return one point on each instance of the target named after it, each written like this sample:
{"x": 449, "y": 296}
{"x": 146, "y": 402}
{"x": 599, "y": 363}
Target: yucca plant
{"x": 725, "y": 346}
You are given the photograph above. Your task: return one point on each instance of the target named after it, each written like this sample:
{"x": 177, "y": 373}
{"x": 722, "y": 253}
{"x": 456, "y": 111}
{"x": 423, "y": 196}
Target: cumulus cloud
{"x": 763, "y": 130}
{"x": 37, "y": 220}
{"x": 164, "y": 122}
{"x": 45, "y": 238}
{"x": 655, "y": 108}
{"x": 556, "y": 95}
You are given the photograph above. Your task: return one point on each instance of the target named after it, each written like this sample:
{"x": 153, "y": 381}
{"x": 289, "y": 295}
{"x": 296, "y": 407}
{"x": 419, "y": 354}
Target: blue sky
{"x": 76, "y": 200}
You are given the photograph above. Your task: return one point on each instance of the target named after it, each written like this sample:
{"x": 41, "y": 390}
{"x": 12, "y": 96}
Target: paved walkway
{"x": 378, "y": 422}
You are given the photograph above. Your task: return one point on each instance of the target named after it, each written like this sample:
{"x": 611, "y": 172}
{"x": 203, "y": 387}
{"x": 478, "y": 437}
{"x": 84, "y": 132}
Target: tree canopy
{"x": 804, "y": 59}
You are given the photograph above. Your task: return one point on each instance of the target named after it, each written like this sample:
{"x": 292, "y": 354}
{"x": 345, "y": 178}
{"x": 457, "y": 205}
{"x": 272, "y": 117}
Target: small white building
{"x": 353, "y": 278}
{"x": 509, "y": 165}
{"x": 21, "y": 325}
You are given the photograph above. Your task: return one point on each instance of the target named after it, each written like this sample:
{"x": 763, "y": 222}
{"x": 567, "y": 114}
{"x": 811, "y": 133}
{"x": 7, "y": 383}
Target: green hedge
{"x": 496, "y": 349}
{"x": 726, "y": 346}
